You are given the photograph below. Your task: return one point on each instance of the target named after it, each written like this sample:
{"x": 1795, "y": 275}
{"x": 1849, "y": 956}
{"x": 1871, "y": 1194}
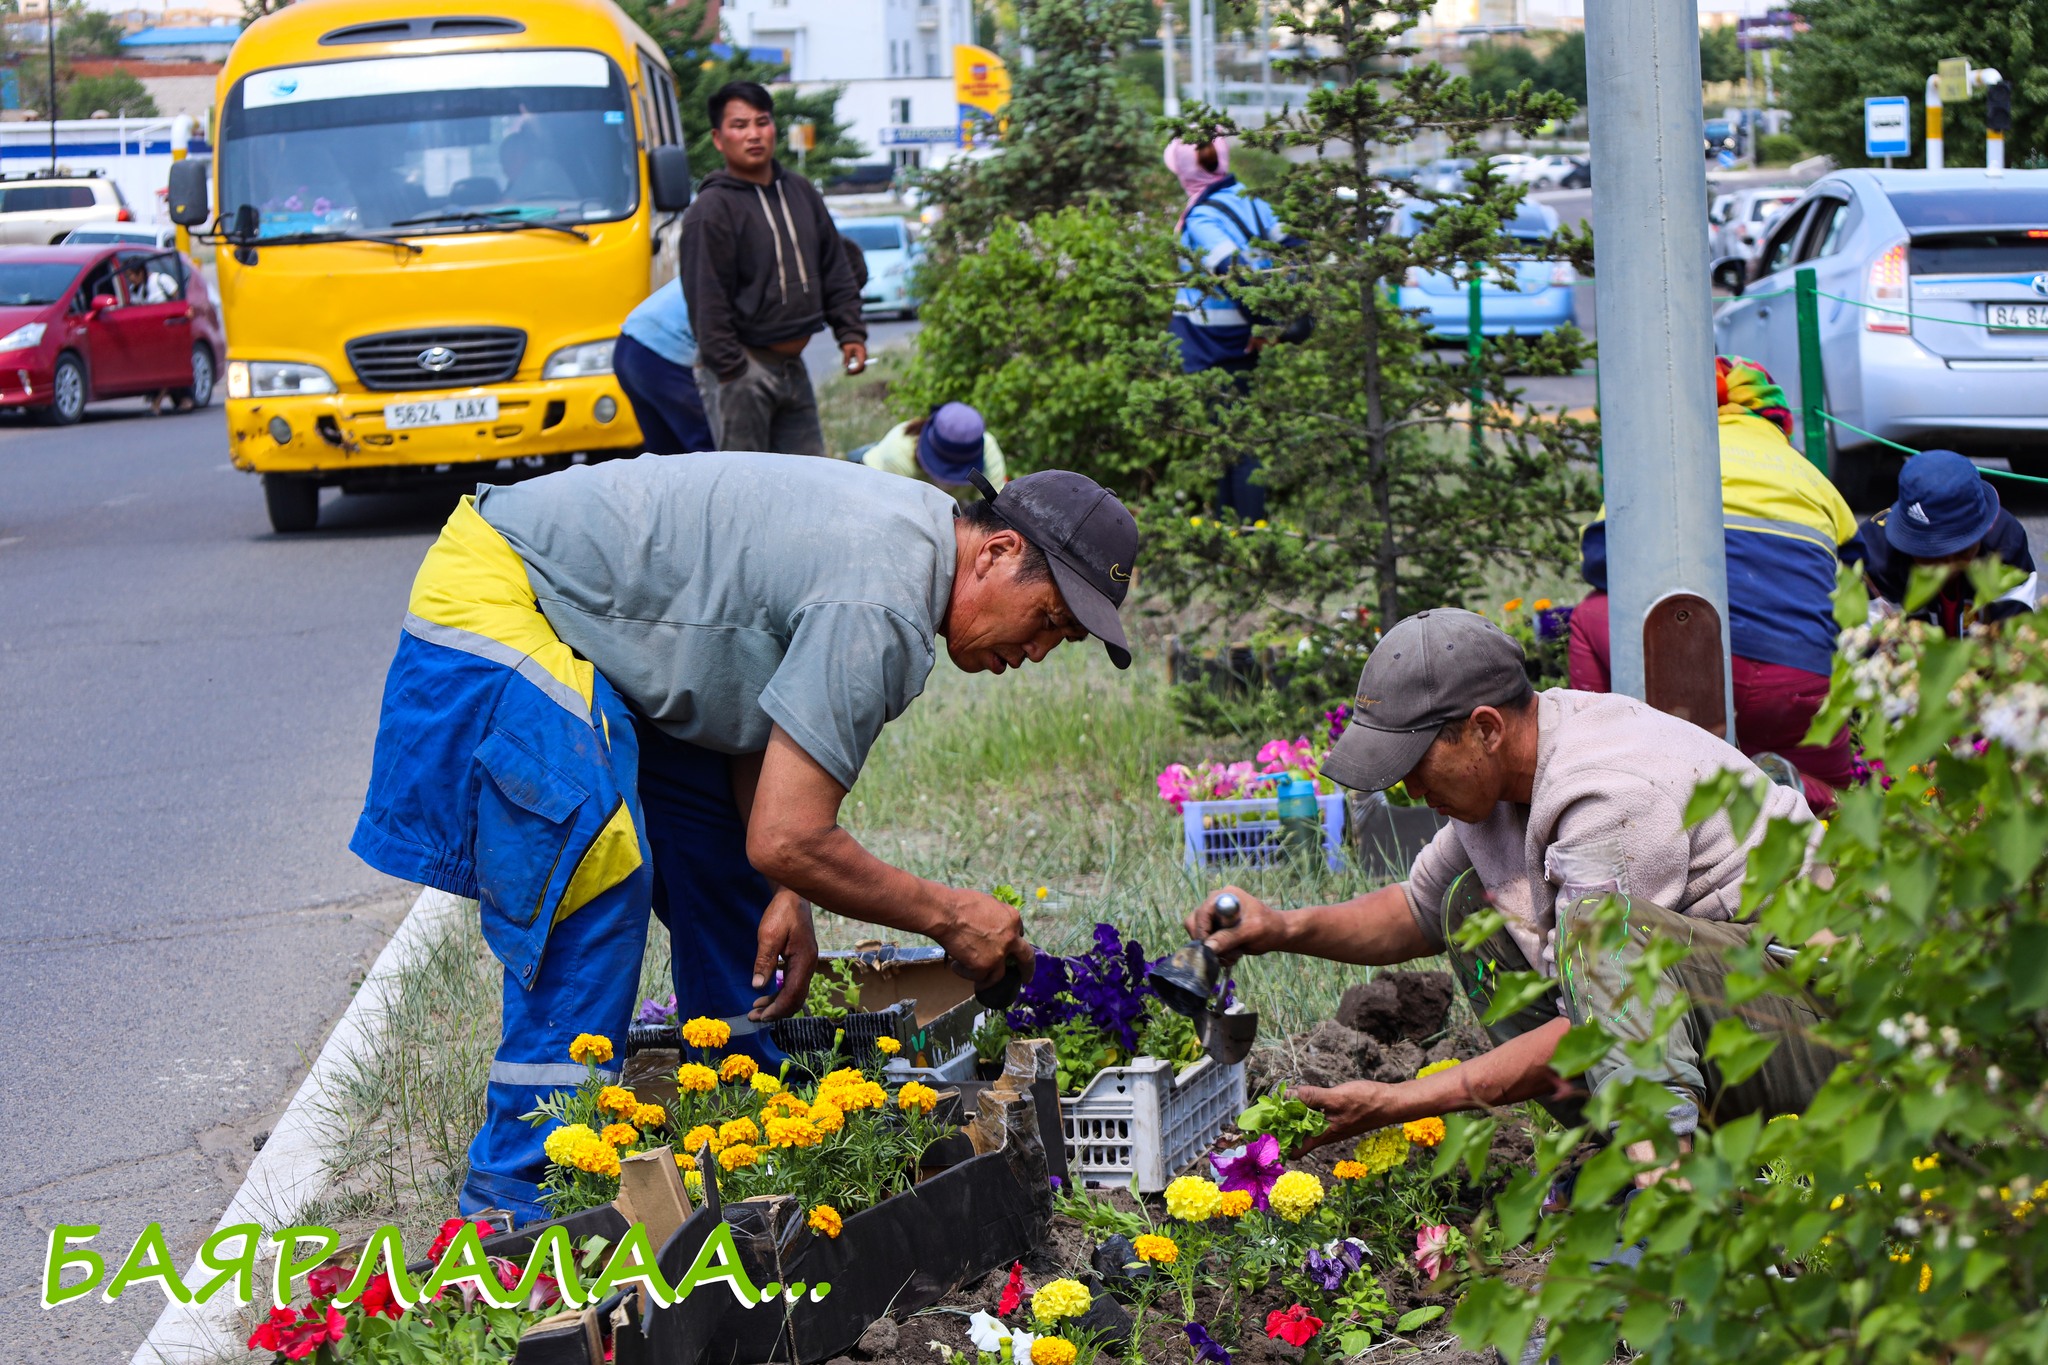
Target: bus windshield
{"x": 429, "y": 144}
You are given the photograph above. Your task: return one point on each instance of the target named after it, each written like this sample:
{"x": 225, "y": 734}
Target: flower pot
{"x": 1387, "y": 837}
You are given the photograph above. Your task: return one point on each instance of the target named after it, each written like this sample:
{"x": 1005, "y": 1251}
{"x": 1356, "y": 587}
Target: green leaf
{"x": 1710, "y": 796}
{"x": 1927, "y": 581}
{"x": 1467, "y": 1140}
{"x": 1356, "y": 1339}
{"x": 1643, "y": 1324}
{"x": 1410, "y": 1320}
{"x": 1513, "y": 991}
{"x": 1852, "y": 598}
{"x": 2026, "y": 967}
{"x": 1738, "y": 1049}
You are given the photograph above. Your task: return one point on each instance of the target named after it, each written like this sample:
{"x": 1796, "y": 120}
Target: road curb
{"x": 291, "y": 1170}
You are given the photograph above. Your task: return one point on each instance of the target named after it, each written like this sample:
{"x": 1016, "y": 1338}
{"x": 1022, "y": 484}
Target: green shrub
{"x": 1779, "y": 149}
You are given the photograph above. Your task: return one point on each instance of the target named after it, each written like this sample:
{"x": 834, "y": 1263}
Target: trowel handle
{"x": 1003, "y": 993}
{"x": 1227, "y": 911}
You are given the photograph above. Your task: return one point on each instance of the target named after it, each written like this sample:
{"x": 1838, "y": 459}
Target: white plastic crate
{"x": 1143, "y": 1120}
{"x": 1248, "y": 831}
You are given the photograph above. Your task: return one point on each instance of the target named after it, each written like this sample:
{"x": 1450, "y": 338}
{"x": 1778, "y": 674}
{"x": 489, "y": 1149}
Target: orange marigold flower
{"x": 825, "y": 1219}
{"x": 738, "y": 1067}
{"x": 1424, "y": 1132}
{"x": 620, "y": 1134}
{"x": 1235, "y": 1204}
{"x": 617, "y": 1099}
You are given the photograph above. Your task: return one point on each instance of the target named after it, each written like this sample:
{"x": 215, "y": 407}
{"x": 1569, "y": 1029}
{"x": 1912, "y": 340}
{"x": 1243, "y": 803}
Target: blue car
{"x": 1538, "y": 299}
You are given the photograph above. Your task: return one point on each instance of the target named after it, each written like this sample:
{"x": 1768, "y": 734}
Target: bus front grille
{"x": 437, "y": 357}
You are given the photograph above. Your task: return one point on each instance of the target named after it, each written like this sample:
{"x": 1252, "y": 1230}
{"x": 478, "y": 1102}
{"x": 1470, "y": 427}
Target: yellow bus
{"x": 430, "y": 218}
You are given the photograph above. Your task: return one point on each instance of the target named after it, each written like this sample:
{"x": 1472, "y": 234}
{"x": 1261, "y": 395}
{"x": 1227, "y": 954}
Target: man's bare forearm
{"x": 1374, "y": 930}
{"x": 1517, "y": 1070}
{"x": 828, "y": 867}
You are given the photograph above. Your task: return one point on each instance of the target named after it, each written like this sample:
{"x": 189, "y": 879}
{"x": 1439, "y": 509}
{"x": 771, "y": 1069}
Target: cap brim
{"x": 1369, "y": 760}
{"x": 1095, "y": 612}
{"x": 1909, "y": 539}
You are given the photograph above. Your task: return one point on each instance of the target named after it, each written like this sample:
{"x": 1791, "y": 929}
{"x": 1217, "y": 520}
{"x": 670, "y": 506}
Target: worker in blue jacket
{"x": 653, "y": 360}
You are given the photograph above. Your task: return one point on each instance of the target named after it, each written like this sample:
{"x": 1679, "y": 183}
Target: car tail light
{"x": 124, "y": 216}
{"x": 1888, "y": 289}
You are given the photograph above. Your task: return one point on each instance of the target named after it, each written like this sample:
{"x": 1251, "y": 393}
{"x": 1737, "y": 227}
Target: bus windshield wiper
{"x": 475, "y": 219}
{"x": 304, "y": 238}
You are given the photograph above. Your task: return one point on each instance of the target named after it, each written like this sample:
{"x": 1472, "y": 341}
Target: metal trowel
{"x": 1188, "y": 983}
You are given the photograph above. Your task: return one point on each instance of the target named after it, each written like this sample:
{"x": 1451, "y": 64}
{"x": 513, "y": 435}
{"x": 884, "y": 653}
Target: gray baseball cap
{"x": 1431, "y": 668}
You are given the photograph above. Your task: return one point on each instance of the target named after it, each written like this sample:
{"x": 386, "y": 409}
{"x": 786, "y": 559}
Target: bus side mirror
{"x": 668, "y": 178}
{"x": 189, "y": 207}
{"x": 1730, "y": 273}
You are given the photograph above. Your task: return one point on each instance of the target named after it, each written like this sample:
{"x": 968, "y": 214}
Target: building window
{"x": 906, "y": 158}
{"x": 899, "y": 111}
{"x": 931, "y": 62}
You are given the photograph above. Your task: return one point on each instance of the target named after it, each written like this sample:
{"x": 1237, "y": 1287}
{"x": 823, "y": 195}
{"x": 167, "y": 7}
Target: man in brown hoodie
{"x": 1554, "y": 803}
{"x": 763, "y": 268}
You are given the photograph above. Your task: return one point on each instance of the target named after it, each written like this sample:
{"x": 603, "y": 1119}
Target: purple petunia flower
{"x": 1208, "y": 1351}
{"x": 1039, "y": 1008}
{"x": 656, "y": 1011}
{"x": 1554, "y": 623}
{"x": 1255, "y": 1169}
{"x": 1329, "y": 1266}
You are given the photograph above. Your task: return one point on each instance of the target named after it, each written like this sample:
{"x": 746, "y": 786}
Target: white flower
{"x": 1889, "y": 1030}
{"x": 1916, "y": 1024}
{"x": 1993, "y": 1078}
{"x": 1907, "y": 1226}
{"x": 1950, "y": 1039}
{"x": 991, "y": 1333}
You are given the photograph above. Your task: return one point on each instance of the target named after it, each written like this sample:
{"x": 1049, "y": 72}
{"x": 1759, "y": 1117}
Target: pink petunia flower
{"x": 1433, "y": 1249}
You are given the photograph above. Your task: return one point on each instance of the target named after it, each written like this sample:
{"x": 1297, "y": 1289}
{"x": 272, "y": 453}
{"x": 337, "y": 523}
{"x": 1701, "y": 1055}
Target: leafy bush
{"x": 1780, "y": 148}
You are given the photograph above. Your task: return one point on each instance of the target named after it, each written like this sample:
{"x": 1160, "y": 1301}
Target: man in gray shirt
{"x": 653, "y": 682}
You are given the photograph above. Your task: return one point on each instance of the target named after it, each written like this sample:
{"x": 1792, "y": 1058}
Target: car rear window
{"x": 2014, "y": 206}
{"x": 873, "y": 236}
{"x": 23, "y": 283}
{"x": 41, "y": 198}
{"x": 1979, "y": 253}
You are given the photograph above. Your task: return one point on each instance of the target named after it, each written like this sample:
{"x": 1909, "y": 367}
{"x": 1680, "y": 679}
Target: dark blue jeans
{"x": 665, "y": 400}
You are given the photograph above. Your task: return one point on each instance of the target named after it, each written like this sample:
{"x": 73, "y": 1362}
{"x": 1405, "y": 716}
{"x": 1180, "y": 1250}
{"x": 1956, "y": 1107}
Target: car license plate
{"x": 2017, "y": 317}
{"x": 441, "y": 412}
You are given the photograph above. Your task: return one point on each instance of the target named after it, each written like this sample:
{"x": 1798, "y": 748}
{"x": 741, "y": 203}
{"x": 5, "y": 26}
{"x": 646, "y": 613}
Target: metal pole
{"x": 1934, "y": 147}
{"x": 1196, "y": 87}
{"x": 1812, "y": 382}
{"x": 1667, "y": 561}
{"x": 1475, "y": 344}
{"x": 1171, "y": 85}
{"x": 50, "y": 29}
{"x": 1265, "y": 64}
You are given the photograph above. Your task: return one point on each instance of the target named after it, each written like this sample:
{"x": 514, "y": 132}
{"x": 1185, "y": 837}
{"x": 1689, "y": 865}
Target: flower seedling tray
{"x": 1387, "y": 837}
{"x": 1147, "y": 1121}
{"x": 1247, "y": 830}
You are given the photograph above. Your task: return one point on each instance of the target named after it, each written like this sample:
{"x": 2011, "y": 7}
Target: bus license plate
{"x": 2017, "y": 317}
{"x": 441, "y": 412}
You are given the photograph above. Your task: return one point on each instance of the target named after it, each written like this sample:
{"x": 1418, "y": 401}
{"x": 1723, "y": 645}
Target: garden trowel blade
{"x": 1227, "y": 1037}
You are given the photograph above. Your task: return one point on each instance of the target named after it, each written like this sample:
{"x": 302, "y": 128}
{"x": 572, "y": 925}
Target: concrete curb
{"x": 290, "y": 1171}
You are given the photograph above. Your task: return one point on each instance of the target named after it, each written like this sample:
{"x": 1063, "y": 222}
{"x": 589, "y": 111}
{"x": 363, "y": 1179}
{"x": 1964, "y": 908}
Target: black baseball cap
{"x": 1432, "y": 668}
{"x": 1090, "y": 541}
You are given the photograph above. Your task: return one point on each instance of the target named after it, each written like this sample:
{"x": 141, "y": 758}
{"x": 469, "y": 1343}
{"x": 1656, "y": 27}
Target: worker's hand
{"x": 984, "y": 938}
{"x": 786, "y": 938}
{"x": 1257, "y": 344}
{"x": 856, "y": 355}
{"x": 1352, "y": 1108}
{"x": 1260, "y": 928}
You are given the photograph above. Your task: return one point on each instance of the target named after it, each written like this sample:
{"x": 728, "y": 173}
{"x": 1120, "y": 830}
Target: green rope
{"x": 1922, "y": 317}
{"x": 1908, "y": 450}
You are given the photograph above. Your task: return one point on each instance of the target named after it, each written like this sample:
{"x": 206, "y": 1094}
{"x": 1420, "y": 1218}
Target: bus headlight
{"x": 578, "y": 362}
{"x": 276, "y": 379}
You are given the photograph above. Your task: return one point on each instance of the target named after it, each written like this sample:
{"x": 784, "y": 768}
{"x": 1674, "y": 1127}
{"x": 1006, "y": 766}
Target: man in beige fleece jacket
{"x": 1554, "y": 803}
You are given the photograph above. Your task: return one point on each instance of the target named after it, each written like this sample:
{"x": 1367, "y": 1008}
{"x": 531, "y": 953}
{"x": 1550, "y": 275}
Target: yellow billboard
{"x": 981, "y": 88}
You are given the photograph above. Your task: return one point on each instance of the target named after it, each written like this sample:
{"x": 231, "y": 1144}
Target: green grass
{"x": 854, "y": 409}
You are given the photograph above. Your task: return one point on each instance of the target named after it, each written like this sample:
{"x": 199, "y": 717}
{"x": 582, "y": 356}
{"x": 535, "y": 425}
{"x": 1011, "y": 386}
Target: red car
{"x": 82, "y": 323}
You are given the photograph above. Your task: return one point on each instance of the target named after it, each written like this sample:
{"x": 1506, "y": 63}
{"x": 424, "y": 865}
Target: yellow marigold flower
{"x": 1235, "y": 1203}
{"x": 561, "y": 1144}
{"x": 738, "y": 1130}
{"x": 825, "y": 1219}
{"x": 1042, "y": 892}
{"x": 826, "y": 1117}
{"x": 620, "y": 1134}
{"x": 591, "y": 1049}
{"x": 1058, "y": 1299}
{"x": 694, "y": 1140}
{"x": 1053, "y": 1351}
{"x": 693, "y": 1181}
{"x": 1383, "y": 1150}
{"x": 1512, "y": 604}
{"x": 597, "y": 1157}
{"x": 1424, "y": 1132}
{"x": 852, "y": 1098}
{"x": 1434, "y": 1067}
{"x": 784, "y": 1102}
{"x": 845, "y": 1075}
{"x": 1193, "y": 1199}
{"x": 738, "y": 1155}
{"x": 707, "y": 1033}
{"x": 650, "y": 1116}
{"x": 738, "y": 1067}
{"x": 765, "y": 1084}
{"x": 686, "y": 1162}
{"x": 887, "y": 1046}
{"x": 616, "y": 1099}
{"x": 917, "y": 1095}
{"x": 1152, "y": 1247}
{"x": 1351, "y": 1170}
{"x": 696, "y": 1078}
{"x": 1294, "y": 1196}
{"x": 793, "y": 1133}
{"x": 1926, "y": 1276}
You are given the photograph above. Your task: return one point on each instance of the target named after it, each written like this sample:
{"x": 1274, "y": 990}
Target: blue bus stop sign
{"x": 1887, "y": 127}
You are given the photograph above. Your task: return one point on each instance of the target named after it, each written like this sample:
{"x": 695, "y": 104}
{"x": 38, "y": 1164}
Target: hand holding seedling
{"x": 1259, "y": 929}
{"x": 984, "y": 937}
{"x": 1350, "y": 1109}
{"x": 787, "y": 939}
{"x": 1293, "y": 1124}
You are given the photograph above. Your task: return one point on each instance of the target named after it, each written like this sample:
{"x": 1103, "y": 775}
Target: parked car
{"x": 39, "y": 208}
{"x": 74, "y": 329}
{"x": 1722, "y": 136}
{"x": 1550, "y": 171}
{"x": 892, "y": 263}
{"x": 1950, "y": 348}
{"x": 1514, "y": 167}
{"x": 1537, "y": 299}
{"x": 1444, "y": 177}
{"x": 1580, "y": 176}
{"x": 1749, "y": 215}
{"x": 103, "y": 231}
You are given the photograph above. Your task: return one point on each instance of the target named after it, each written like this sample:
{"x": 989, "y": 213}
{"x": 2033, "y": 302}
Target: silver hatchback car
{"x": 1943, "y": 341}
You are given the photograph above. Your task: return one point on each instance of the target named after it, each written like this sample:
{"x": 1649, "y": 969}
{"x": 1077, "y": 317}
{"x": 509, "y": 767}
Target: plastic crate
{"x": 1248, "y": 831}
{"x": 1146, "y": 1121}
{"x": 955, "y": 1067}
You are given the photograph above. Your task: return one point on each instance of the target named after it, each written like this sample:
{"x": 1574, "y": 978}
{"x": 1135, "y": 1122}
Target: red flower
{"x": 448, "y": 1231}
{"x": 507, "y": 1272}
{"x": 1013, "y": 1292}
{"x": 377, "y": 1300}
{"x": 326, "y": 1281}
{"x": 1296, "y": 1325}
{"x": 547, "y": 1290}
{"x": 319, "y": 1326}
{"x": 266, "y": 1338}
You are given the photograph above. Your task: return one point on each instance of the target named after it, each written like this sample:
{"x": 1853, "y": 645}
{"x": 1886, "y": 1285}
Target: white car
{"x": 103, "y": 232}
{"x": 1747, "y": 216}
{"x": 38, "y": 209}
{"x": 892, "y": 256}
{"x": 1549, "y": 171}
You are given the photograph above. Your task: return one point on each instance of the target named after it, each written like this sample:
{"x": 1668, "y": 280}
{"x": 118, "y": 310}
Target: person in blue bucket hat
{"x": 944, "y": 448}
{"x": 1947, "y": 516}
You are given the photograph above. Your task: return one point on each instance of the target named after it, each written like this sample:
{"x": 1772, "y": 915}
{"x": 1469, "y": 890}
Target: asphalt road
{"x": 191, "y": 702}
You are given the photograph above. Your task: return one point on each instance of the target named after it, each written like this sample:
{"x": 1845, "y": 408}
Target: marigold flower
{"x": 693, "y": 1183}
{"x": 620, "y": 1134}
{"x": 738, "y": 1067}
{"x": 686, "y": 1162}
{"x": 650, "y": 1116}
{"x": 1540, "y": 604}
{"x": 888, "y": 1046}
{"x": 694, "y": 1140}
{"x": 596, "y": 1156}
{"x": 826, "y": 1117}
{"x": 845, "y": 1075}
{"x": 561, "y": 1145}
{"x": 738, "y": 1156}
{"x": 852, "y": 1098}
{"x": 1383, "y": 1150}
{"x": 1512, "y": 604}
{"x": 1058, "y": 1299}
{"x": 737, "y": 1130}
{"x": 1235, "y": 1203}
{"x": 696, "y": 1078}
{"x": 1193, "y": 1199}
{"x": 591, "y": 1049}
{"x": 917, "y": 1095}
{"x": 1424, "y": 1132}
{"x": 1053, "y": 1351}
{"x": 707, "y": 1033}
{"x": 1434, "y": 1067}
{"x": 617, "y": 1099}
{"x": 825, "y": 1219}
{"x": 765, "y": 1084}
{"x": 793, "y": 1133}
{"x": 785, "y": 1103}
{"x": 1295, "y": 1195}
{"x": 1351, "y": 1170}
{"x": 1152, "y": 1247}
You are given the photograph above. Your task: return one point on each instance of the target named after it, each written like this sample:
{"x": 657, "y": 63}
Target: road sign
{"x": 1761, "y": 32}
{"x": 803, "y": 136}
{"x": 905, "y": 135}
{"x": 1887, "y": 126}
{"x": 1953, "y": 77}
